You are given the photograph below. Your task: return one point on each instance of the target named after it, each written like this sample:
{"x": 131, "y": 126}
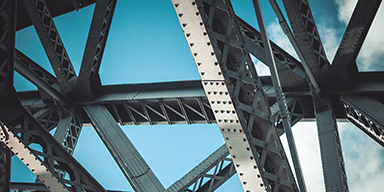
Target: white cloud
{"x": 363, "y": 158}
{"x": 307, "y": 145}
{"x": 277, "y": 35}
{"x": 329, "y": 39}
{"x": 261, "y": 68}
{"x": 345, "y": 8}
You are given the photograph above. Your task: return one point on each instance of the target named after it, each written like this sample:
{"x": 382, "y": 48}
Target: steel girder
{"x": 7, "y": 44}
{"x": 208, "y": 175}
{"x": 232, "y": 86}
{"x": 290, "y": 70}
{"x": 50, "y": 113}
{"x": 46, "y": 155}
{"x": 8, "y": 10}
{"x": 38, "y": 76}
{"x": 51, "y": 41}
{"x": 68, "y": 131}
{"x": 307, "y": 37}
{"x": 335, "y": 177}
{"x": 217, "y": 168}
{"x": 97, "y": 39}
{"x": 5, "y": 167}
{"x": 280, "y": 97}
{"x": 133, "y": 166}
{"x": 366, "y": 113}
{"x": 344, "y": 67}
{"x": 38, "y": 187}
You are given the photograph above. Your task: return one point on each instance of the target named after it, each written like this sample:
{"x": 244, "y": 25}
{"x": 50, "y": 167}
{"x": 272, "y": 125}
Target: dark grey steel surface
{"x": 94, "y": 49}
{"x": 132, "y": 165}
{"x": 367, "y": 114}
{"x": 8, "y": 11}
{"x": 307, "y": 36}
{"x": 335, "y": 177}
{"x": 51, "y": 153}
{"x": 174, "y": 103}
{"x": 280, "y": 97}
{"x": 52, "y": 43}
{"x": 233, "y": 87}
{"x": 343, "y": 68}
{"x": 38, "y": 76}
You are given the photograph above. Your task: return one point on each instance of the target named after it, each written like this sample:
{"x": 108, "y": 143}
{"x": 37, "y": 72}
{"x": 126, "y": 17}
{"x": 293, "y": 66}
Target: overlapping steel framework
{"x": 251, "y": 111}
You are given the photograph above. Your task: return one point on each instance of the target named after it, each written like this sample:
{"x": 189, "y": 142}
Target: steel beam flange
{"x": 235, "y": 93}
{"x": 31, "y": 160}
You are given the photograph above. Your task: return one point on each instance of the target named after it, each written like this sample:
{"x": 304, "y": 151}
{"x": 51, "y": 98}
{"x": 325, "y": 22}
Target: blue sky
{"x": 146, "y": 44}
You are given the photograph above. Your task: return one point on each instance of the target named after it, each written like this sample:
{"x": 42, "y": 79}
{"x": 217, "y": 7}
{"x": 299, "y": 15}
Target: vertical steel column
{"x": 51, "y": 41}
{"x": 133, "y": 166}
{"x": 335, "y": 177}
{"x": 280, "y": 97}
{"x": 8, "y": 9}
{"x": 7, "y": 44}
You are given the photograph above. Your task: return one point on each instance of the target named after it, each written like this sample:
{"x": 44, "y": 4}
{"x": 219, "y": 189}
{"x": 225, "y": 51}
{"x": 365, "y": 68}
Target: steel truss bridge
{"x": 251, "y": 111}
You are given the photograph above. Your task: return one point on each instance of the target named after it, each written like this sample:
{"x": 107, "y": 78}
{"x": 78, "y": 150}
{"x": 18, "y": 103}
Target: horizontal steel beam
{"x": 29, "y": 131}
{"x": 367, "y": 114}
{"x": 38, "y": 187}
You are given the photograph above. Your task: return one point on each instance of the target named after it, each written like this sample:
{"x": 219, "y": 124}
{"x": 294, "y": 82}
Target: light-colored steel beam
{"x": 133, "y": 166}
{"x": 235, "y": 93}
{"x": 27, "y": 130}
{"x": 195, "y": 180}
{"x": 33, "y": 162}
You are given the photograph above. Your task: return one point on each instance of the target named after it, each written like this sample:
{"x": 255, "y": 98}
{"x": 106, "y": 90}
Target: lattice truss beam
{"x": 231, "y": 95}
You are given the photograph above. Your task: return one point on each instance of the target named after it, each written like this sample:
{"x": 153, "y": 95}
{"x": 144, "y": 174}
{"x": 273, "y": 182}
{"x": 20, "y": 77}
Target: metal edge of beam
{"x": 132, "y": 165}
{"x": 52, "y": 43}
{"x": 365, "y": 112}
{"x": 16, "y": 115}
{"x": 196, "y": 19}
{"x": 307, "y": 36}
{"x": 343, "y": 65}
{"x": 96, "y": 42}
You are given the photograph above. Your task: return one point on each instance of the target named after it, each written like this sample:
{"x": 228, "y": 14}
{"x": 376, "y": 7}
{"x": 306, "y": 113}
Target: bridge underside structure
{"x": 247, "y": 108}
